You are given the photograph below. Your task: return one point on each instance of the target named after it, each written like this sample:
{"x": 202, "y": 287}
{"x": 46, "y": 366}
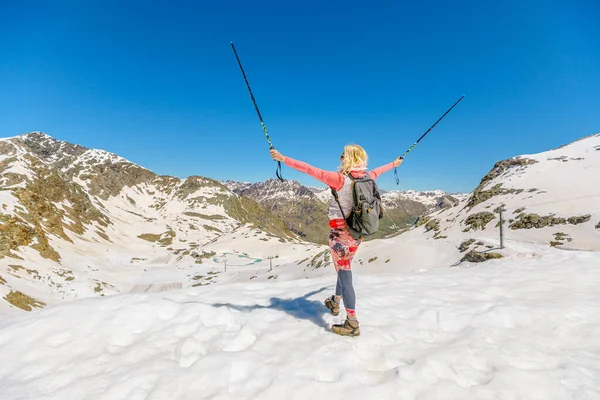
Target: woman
{"x": 343, "y": 246}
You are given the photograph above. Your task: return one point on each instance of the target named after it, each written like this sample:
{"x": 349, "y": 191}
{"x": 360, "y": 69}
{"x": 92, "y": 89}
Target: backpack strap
{"x": 337, "y": 199}
{"x": 355, "y": 206}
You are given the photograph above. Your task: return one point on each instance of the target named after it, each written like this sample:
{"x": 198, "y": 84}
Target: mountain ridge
{"x": 550, "y": 194}
{"x": 57, "y": 198}
{"x": 92, "y": 224}
{"x": 304, "y": 208}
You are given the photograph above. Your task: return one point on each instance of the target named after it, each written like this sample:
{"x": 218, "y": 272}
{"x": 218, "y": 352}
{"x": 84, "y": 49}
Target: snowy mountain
{"x": 236, "y": 186}
{"x": 82, "y": 222}
{"x": 77, "y": 222}
{"x": 304, "y": 209}
{"x": 433, "y": 199}
{"x": 298, "y": 206}
{"x": 432, "y": 326}
{"x": 550, "y": 197}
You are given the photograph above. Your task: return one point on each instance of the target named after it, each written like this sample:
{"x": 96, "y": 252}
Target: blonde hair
{"x": 354, "y": 157}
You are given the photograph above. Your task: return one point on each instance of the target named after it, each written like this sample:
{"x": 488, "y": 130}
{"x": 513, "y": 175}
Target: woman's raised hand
{"x": 398, "y": 161}
{"x": 277, "y": 156}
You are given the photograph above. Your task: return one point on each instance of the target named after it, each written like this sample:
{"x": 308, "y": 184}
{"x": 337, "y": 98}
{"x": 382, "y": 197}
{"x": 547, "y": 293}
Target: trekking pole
{"x": 422, "y": 136}
{"x": 278, "y": 172}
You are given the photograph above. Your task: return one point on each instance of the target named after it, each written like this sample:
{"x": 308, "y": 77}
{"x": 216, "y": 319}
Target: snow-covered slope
{"x": 505, "y": 331}
{"x": 89, "y": 223}
{"x": 77, "y": 222}
{"x": 80, "y": 222}
{"x": 551, "y": 197}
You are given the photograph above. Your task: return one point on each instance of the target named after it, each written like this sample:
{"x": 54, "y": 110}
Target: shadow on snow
{"x": 300, "y": 308}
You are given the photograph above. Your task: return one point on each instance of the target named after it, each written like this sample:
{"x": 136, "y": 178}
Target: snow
{"x": 324, "y": 195}
{"x": 236, "y": 185}
{"x": 97, "y": 156}
{"x": 19, "y": 166}
{"x": 511, "y": 329}
{"x": 127, "y": 260}
{"x": 460, "y": 196}
{"x": 576, "y": 173}
{"x": 430, "y": 198}
{"x": 525, "y": 326}
{"x": 549, "y": 187}
{"x": 8, "y": 203}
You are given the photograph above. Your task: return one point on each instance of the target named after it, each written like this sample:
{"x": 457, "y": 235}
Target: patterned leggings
{"x": 343, "y": 248}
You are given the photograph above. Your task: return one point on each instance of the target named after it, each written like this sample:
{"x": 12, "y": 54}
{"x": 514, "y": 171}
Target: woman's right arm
{"x": 332, "y": 179}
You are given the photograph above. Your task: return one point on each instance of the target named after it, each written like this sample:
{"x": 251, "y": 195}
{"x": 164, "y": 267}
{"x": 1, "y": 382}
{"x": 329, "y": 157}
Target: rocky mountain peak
{"x": 271, "y": 189}
{"x": 48, "y": 148}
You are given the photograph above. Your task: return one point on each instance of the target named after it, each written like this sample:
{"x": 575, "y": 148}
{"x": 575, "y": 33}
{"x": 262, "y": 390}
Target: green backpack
{"x": 366, "y": 207}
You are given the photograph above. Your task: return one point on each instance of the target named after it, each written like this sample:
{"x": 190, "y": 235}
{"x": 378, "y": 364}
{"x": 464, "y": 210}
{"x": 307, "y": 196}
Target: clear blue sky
{"x": 157, "y": 82}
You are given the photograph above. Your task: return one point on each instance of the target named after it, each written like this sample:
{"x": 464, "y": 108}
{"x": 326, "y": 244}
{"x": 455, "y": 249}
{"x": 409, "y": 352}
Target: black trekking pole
{"x": 428, "y": 130}
{"x": 278, "y": 172}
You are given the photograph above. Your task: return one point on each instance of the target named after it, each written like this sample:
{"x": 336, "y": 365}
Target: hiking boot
{"x": 332, "y": 305}
{"x": 348, "y": 328}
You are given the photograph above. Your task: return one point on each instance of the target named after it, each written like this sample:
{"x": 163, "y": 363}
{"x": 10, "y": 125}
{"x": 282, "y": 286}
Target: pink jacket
{"x": 333, "y": 179}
